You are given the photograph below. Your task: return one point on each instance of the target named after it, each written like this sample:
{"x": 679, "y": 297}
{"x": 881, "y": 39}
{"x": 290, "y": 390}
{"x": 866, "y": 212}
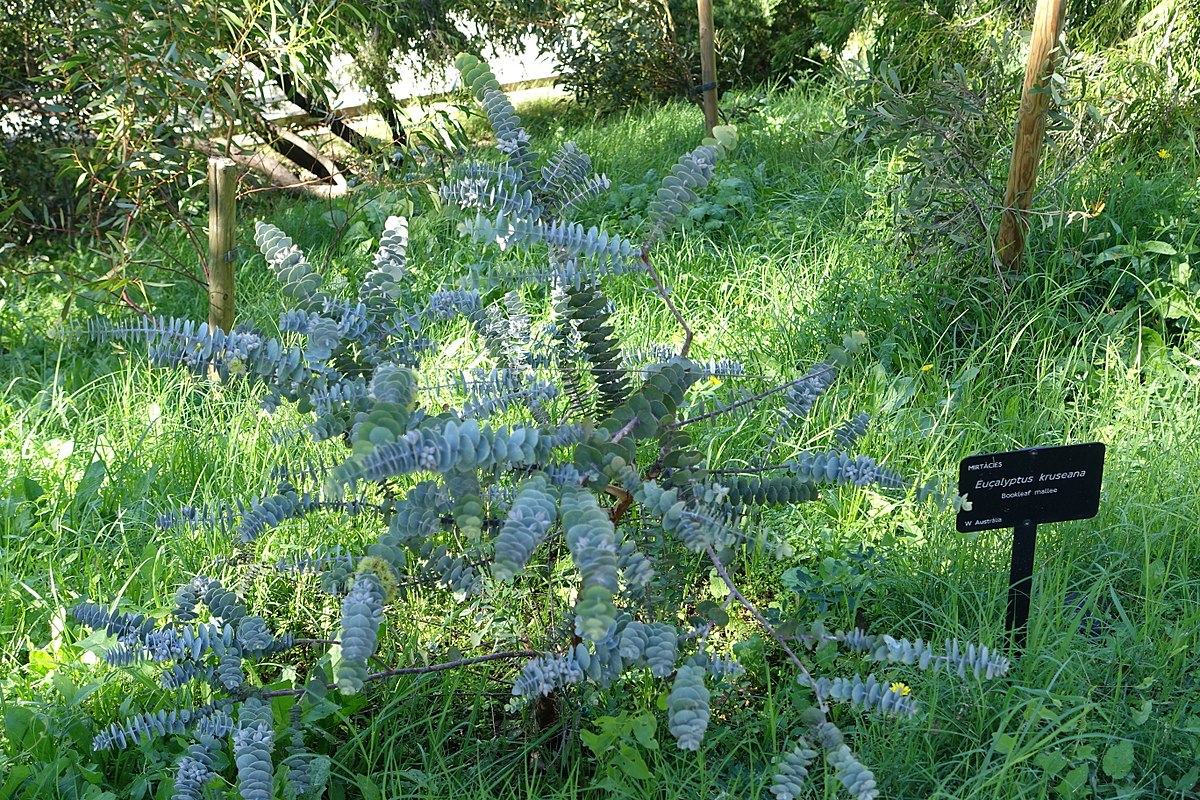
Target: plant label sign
{"x": 1040, "y": 484}
{"x": 1019, "y": 490}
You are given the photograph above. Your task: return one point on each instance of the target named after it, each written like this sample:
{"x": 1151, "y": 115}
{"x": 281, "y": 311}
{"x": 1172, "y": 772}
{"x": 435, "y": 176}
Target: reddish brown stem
{"x": 391, "y": 673}
{"x": 746, "y": 604}
{"x": 666, "y": 296}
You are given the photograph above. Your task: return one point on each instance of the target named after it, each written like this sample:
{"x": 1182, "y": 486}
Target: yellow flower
{"x": 1163, "y": 154}
{"x": 926, "y": 368}
{"x": 902, "y": 689}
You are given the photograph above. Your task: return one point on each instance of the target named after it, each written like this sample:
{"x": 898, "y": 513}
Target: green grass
{"x": 955, "y": 366}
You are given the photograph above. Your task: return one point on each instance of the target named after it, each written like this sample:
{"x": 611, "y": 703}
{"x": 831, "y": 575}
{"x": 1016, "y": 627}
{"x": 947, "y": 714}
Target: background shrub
{"x": 615, "y": 53}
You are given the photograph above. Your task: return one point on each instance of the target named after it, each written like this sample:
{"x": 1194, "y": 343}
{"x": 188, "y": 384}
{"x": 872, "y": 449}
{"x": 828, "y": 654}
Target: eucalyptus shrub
{"x": 943, "y": 88}
{"x": 949, "y": 131}
{"x": 568, "y": 442}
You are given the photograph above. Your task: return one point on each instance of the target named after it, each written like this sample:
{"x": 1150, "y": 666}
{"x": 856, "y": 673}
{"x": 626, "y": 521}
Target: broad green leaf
{"x": 19, "y": 721}
{"x": 1005, "y": 743}
{"x": 88, "y": 489}
{"x": 1118, "y": 760}
{"x": 598, "y": 741}
{"x": 1073, "y": 782}
{"x": 716, "y": 585}
{"x": 1052, "y": 761}
{"x": 632, "y": 763}
{"x": 370, "y": 790}
{"x": 644, "y": 726}
{"x": 1162, "y": 248}
{"x": 711, "y": 611}
{"x": 31, "y": 489}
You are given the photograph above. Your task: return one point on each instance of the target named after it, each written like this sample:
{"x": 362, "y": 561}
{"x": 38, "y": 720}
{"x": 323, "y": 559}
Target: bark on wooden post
{"x": 222, "y": 228}
{"x": 708, "y": 65}
{"x": 1031, "y": 130}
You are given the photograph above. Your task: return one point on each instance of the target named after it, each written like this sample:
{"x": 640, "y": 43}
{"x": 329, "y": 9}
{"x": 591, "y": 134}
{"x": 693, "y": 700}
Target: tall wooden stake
{"x": 708, "y": 65}
{"x": 1031, "y": 130}
{"x": 222, "y": 228}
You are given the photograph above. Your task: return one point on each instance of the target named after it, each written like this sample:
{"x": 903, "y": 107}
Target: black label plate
{"x": 1040, "y": 484}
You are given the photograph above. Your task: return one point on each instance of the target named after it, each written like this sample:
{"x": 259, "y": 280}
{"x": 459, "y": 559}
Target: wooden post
{"x": 222, "y": 229}
{"x": 1031, "y": 130}
{"x": 708, "y": 65}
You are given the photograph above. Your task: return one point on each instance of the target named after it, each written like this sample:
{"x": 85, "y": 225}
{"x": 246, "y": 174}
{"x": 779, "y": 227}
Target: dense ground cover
{"x": 791, "y": 250}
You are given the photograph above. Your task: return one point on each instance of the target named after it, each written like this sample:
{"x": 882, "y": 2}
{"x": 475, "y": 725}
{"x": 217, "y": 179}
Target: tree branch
{"x": 441, "y": 667}
{"x": 747, "y": 400}
{"x": 274, "y": 170}
{"x": 666, "y": 296}
{"x": 291, "y": 90}
{"x": 746, "y": 604}
{"x": 301, "y": 152}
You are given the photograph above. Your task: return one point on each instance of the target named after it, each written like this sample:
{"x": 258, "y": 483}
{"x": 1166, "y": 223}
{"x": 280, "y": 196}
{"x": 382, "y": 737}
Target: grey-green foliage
{"x": 122, "y": 625}
{"x": 803, "y": 393}
{"x": 362, "y": 611}
{"x": 591, "y": 539}
{"x": 382, "y": 288}
{"x": 271, "y": 511}
{"x": 328, "y": 370}
{"x": 285, "y": 369}
{"x": 253, "y": 739}
{"x": 687, "y": 706}
{"x": 195, "y": 769}
{"x": 629, "y": 644}
{"x": 189, "y": 647}
{"x": 147, "y": 726}
{"x": 544, "y": 674}
{"x": 511, "y": 138}
{"x": 858, "y": 780}
{"x": 306, "y": 772}
{"x": 501, "y": 389}
{"x": 872, "y": 694}
{"x": 213, "y": 653}
{"x": 687, "y": 513}
{"x": 599, "y": 662}
{"x": 229, "y": 670}
{"x": 580, "y": 253}
{"x": 847, "y": 434}
{"x": 297, "y": 278}
{"x": 956, "y": 657}
{"x": 690, "y": 173}
{"x": 525, "y": 206}
{"x": 654, "y": 644}
{"x": 835, "y": 466}
{"x": 443, "y": 445}
{"x": 869, "y": 694}
{"x": 487, "y": 187}
{"x": 567, "y": 178}
{"x": 479, "y": 474}
{"x": 534, "y": 510}
{"x": 587, "y": 330}
{"x": 791, "y": 772}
